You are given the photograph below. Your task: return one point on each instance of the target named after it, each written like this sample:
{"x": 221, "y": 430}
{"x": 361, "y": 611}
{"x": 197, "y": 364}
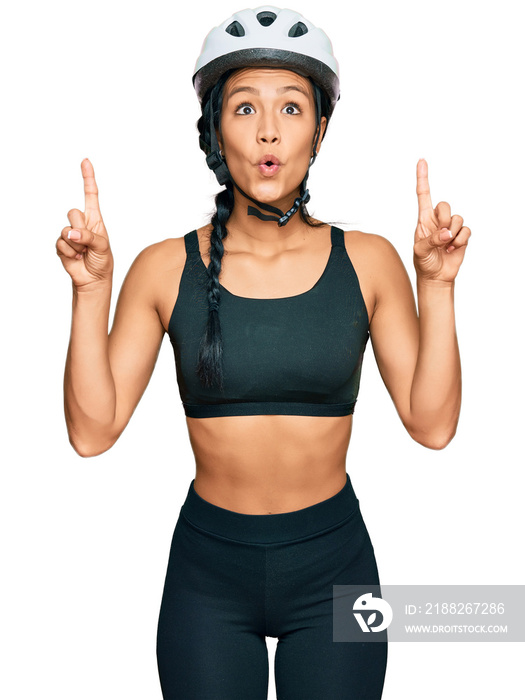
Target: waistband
{"x": 272, "y": 527}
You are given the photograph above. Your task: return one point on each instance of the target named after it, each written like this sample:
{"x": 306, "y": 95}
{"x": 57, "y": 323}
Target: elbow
{"x": 89, "y": 450}
{"x": 435, "y": 442}
{"x": 91, "y": 447}
{"x": 434, "y": 439}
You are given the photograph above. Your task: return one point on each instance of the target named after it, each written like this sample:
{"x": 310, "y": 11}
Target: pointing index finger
{"x": 90, "y": 186}
{"x": 422, "y": 187}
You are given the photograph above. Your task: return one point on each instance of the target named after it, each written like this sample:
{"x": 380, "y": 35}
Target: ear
{"x": 324, "y": 123}
{"x": 219, "y": 140}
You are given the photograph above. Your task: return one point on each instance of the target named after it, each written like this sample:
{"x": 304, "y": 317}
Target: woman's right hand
{"x": 86, "y": 255}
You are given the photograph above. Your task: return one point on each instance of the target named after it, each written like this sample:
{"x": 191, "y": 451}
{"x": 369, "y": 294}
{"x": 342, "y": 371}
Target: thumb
{"x": 436, "y": 239}
{"x": 89, "y": 239}
{"x": 77, "y": 219}
{"x": 441, "y": 237}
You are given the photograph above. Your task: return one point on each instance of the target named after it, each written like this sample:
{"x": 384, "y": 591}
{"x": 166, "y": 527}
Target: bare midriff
{"x": 266, "y": 464}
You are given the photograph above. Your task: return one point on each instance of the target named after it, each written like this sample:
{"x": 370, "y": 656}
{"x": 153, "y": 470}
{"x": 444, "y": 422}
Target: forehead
{"x": 269, "y": 79}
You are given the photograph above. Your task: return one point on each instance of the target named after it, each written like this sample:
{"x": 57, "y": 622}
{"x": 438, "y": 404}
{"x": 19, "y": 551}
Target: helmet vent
{"x": 235, "y": 29}
{"x": 266, "y": 18}
{"x": 298, "y": 29}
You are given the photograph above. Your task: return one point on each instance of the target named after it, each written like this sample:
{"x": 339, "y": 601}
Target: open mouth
{"x": 269, "y": 165}
{"x": 269, "y": 159}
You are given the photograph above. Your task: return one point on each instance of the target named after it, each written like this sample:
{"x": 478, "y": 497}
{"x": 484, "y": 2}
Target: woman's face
{"x": 268, "y": 114}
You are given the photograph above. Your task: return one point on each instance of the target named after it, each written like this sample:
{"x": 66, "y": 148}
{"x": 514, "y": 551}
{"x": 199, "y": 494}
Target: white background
{"x": 85, "y": 542}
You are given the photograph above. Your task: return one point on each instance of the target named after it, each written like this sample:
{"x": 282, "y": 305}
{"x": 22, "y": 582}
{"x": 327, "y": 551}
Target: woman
{"x": 269, "y": 313}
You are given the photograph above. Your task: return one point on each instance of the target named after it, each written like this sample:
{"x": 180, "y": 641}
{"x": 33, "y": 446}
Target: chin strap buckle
{"x": 297, "y": 203}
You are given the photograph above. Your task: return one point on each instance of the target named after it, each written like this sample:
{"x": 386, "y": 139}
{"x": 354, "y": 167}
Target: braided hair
{"x": 209, "y": 365}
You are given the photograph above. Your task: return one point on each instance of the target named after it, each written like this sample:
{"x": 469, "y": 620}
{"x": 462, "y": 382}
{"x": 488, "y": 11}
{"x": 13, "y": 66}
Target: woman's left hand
{"x": 440, "y": 240}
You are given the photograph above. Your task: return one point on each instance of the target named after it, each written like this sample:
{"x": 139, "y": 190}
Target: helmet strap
{"x": 282, "y": 218}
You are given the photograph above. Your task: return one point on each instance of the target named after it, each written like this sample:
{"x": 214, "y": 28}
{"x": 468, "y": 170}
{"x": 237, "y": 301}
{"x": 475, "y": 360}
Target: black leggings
{"x": 234, "y": 579}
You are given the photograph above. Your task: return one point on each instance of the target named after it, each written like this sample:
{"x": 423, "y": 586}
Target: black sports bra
{"x": 298, "y": 355}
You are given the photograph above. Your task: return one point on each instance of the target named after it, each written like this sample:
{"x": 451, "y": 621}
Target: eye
{"x": 292, "y": 108}
{"x": 244, "y": 109}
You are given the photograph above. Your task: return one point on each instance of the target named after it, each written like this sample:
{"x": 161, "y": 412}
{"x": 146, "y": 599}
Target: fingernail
{"x": 446, "y": 234}
{"x": 74, "y": 235}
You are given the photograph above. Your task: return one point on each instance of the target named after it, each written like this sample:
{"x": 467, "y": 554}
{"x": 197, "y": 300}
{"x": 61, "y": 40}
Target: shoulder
{"x": 154, "y": 265}
{"x": 154, "y": 277}
{"x": 378, "y": 266}
{"x": 373, "y": 253}
{"x": 370, "y": 244}
{"x": 159, "y": 259}
{"x": 170, "y": 251}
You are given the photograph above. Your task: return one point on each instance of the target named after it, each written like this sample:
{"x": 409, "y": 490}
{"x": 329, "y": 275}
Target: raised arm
{"x": 418, "y": 356}
{"x": 105, "y": 375}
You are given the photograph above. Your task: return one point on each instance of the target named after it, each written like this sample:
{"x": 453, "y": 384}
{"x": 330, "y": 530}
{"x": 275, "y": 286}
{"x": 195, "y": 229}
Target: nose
{"x": 268, "y": 130}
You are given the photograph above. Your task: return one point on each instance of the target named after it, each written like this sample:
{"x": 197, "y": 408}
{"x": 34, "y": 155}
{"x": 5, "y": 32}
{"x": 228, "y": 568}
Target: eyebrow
{"x": 279, "y": 91}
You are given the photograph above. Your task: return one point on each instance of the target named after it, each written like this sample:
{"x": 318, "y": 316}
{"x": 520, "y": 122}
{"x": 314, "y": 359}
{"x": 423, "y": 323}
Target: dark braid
{"x": 209, "y": 367}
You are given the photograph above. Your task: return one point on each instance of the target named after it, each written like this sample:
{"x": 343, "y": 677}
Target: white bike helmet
{"x": 268, "y": 36}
